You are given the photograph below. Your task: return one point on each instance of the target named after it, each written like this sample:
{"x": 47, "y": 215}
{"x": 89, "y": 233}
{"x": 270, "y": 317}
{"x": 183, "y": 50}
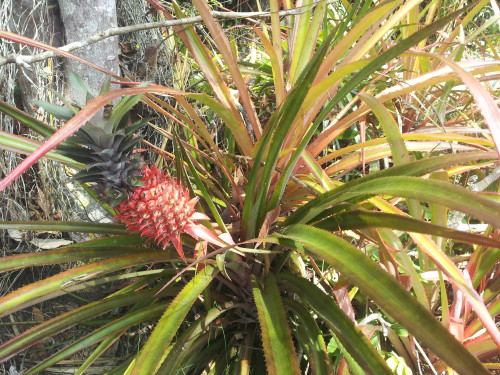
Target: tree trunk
{"x": 82, "y": 19}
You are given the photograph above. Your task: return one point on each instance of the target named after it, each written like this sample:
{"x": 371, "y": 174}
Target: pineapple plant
{"x": 315, "y": 247}
{"x": 148, "y": 201}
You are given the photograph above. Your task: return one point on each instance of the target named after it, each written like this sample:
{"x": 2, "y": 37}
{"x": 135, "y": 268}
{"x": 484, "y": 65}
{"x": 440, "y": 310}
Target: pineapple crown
{"x": 105, "y": 144}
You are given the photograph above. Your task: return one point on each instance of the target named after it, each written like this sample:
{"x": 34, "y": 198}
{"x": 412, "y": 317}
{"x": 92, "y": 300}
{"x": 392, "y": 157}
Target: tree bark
{"x": 82, "y": 19}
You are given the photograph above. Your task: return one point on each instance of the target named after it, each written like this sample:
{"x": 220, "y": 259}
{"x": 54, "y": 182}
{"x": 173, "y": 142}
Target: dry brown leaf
{"x": 43, "y": 202}
{"x": 37, "y": 315}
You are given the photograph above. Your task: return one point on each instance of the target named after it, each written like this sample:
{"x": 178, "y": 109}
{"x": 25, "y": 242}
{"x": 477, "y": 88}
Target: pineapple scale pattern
{"x": 160, "y": 209}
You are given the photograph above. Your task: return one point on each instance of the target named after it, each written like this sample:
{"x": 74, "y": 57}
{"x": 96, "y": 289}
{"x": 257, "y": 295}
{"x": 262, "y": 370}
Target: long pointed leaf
{"x": 387, "y": 293}
{"x": 28, "y": 295}
{"x": 276, "y": 337}
{"x": 444, "y": 193}
{"x": 270, "y": 145}
{"x": 484, "y": 100}
{"x": 65, "y": 255}
{"x": 357, "y": 79}
{"x": 415, "y": 168}
{"x": 25, "y": 146}
{"x": 222, "y": 42}
{"x": 312, "y": 338}
{"x": 64, "y": 321}
{"x": 131, "y": 319}
{"x": 351, "y": 337}
{"x": 65, "y": 226}
{"x": 363, "y": 219}
{"x": 152, "y": 354}
{"x": 183, "y": 346}
{"x": 34, "y": 124}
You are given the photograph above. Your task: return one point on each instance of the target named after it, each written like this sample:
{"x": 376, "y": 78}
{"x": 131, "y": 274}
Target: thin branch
{"x": 25, "y": 60}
